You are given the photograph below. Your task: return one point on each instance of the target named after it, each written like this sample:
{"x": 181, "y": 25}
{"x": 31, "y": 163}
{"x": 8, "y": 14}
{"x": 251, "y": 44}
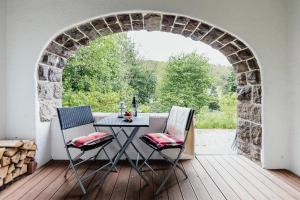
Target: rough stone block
{"x": 168, "y": 20}
{"x": 136, "y": 16}
{"x": 229, "y": 49}
{"x": 55, "y": 74}
{"x": 200, "y": 31}
{"x": 240, "y": 44}
{"x": 166, "y": 28}
{"x": 243, "y": 130}
{"x": 72, "y": 45}
{"x": 182, "y": 20}
{"x": 43, "y": 72}
{"x": 177, "y": 28}
{"x": 241, "y": 79}
{"x": 137, "y": 25}
{"x": 186, "y": 33}
{"x": 256, "y": 94}
{"x": 124, "y": 19}
{"x": 216, "y": 45}
{"x": 84, "y": 41}
{"x": 99, "y": 24}
{"x": 245, "y": 54}
{"x": 233, "y": 58}
{"x": 152, "y": 22}
{"x": 126, "y": 27}
{"x": 45, "y": 90}
{"x": 49, "y": 59}
{"x": 255, "y": 152}
{"x": 74, "y": 33}
{"x": 105, "y": 31}
{"x": 256, "y": 113}
{"x": 256, "y": 134}
{"x": 58, "y": 50}
{"x": 111, "y": 19}
{"x": 57, "y": 90}
{"x": 253, "y": 77}
{"x": 115, "y": 28}
{"x": 252, "y": 63}
{"x": 240, "y": 67}
{"x": 212, "y": 36}
{"x": 47, "y": 110}
{"x": 61, "y": 63}
{"x": 192, "y": 25}
{"x": 244, "y": 110}
{"x": 244, "y": 93}
{"x": 89, "y": 31}
{"x": 61, "y": 39}
{"x": 226, "y": 38}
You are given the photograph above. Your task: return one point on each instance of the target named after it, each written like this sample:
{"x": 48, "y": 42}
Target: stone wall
{"x": 241, "y": 57}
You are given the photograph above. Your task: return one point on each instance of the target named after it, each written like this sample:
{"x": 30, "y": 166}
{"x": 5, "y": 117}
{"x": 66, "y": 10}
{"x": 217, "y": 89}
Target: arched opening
{"x": 249, "y": 89}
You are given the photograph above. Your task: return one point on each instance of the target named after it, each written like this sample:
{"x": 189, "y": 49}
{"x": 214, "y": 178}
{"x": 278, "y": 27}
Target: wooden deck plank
{"x": 30, "y": 184}
{"x": 252, "y": 189}
{"x": 209, "y": 184}
{"x": 13, "y": 187}
{"x": 122, "y": 182}
{"x": 251, "y": 178}
{"x": 290, "y": 188}
{"x": 133, "y": 191}
{"x": 147, "y": 191}
{"x": 196, "y": 182}
{"x": 65, "y": 188}
{"x": 43, "y": 184}
{"x": 210, "y": 177}
{"x": 226, "y": 189}
{"x": 185, "y": 186}
{"x": 274, "y": 187}
{"x": 230, "y": 180}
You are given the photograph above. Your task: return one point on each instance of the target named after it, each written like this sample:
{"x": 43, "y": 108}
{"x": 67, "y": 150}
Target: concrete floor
{"x": 214, "y": 141}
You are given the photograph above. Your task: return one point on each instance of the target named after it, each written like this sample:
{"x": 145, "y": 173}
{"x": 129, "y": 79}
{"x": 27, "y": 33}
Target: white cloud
{"x": 160, "y": 46}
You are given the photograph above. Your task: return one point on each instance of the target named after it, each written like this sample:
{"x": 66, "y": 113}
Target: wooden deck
{"x": 210, "y": 177}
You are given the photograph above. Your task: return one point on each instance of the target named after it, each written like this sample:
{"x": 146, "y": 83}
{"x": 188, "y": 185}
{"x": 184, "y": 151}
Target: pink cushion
{"x": 163, "y": 140}
{"x": 91, "y": 138}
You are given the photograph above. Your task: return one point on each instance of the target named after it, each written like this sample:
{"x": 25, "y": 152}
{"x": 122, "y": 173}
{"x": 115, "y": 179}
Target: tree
{"x": 185, "y": 82}
{"x": 230, "y": 85}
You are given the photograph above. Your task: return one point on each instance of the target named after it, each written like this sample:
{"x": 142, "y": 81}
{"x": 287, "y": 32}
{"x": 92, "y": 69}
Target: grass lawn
{"x": 209, "y": 120}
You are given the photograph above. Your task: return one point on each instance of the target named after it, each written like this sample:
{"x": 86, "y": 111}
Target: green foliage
{"x": 230, "y": 85}
{"x": 185, "y": 82}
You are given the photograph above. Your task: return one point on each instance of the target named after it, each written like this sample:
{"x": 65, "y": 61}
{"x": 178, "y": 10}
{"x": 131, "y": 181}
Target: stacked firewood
{"x": 16, "y": 159}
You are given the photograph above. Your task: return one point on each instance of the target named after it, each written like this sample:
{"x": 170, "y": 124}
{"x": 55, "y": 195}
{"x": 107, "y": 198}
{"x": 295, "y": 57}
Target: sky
{"x": 160, "y": 46}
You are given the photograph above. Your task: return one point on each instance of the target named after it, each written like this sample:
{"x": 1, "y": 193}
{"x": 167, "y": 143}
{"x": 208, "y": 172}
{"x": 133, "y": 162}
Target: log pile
{"x": 16, "y": 158}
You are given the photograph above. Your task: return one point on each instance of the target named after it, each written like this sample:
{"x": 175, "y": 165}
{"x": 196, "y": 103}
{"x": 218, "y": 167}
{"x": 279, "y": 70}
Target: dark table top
{"x": 114, "y": 121}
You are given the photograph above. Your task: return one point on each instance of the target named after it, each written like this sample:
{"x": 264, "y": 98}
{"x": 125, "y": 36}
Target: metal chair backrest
{"x": 70, "y": 117}
{"x": 179, "y": 121}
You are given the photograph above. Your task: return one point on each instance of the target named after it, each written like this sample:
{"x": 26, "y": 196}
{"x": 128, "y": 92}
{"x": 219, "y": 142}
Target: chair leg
{"x": 110, "y": 160}
{"x": 174, "y": 163}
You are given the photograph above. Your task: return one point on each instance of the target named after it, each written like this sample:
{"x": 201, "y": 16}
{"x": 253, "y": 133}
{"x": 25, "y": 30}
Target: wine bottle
{"x": 134, "y": 106}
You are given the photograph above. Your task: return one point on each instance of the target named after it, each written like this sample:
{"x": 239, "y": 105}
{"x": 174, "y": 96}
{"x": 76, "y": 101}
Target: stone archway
{"x": 249, "y": 90}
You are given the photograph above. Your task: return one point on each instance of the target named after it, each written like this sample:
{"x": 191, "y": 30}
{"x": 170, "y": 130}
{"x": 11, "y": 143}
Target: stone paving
{"x": 214, "y": 141}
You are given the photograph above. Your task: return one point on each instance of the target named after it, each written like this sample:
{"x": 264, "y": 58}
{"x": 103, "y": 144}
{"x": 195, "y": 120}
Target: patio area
{"x": 209, "y": 177}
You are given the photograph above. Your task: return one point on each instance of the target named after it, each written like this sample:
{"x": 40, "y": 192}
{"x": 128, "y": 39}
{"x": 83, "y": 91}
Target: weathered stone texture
{"x": 115, "y": 28}
{"x": 212, "y": 36}
{"x": 244, "y": 93}
{"x": 43, "y": 72}
{"x": 245, "y": 54}
{"x": 241, "y": 79}
{"x": 124, "y": 19}
{"x": 72, "y": 45}
{"x": 256, "y": 134}
{"x": 89, "y": 31}
{"x": 177, "y": 28}
{"x": 61, "y": 39}
{"x": 111, "y": 20}
{"x": 57, "y": 93}
{"x": 45, "y": 90}
{"x": 257, "y": 94}
{"x": 49, "y": 59}
{"x": 136, "y": 16}
{"x": 216, "y": 45}
{"x": 240, "y": 67}
{"x": 152, "y": 22}
{"x": 137, "y": 25}
{"x": 252, "y": 63}
{"x": 192, "y": 25}
{"x": 229, "y": 49}
{"x": 168, "y": 20}
{"x": 240, "y": 44}
{"x": 253, "y": 77}
{"x": 55, "y": 74}
{"x": 226, "y": 38}
{"x": 75, "y": 34}
{"x": 99, "y": 24}
{"x": 233, "y": 58}
{"x": 58, "y": 50}
{"x": 181, "y": 20}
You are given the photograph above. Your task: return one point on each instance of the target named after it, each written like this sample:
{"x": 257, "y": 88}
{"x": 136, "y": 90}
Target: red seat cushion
{"x": 162, "y": 140}
{"x": 90, "y": 139}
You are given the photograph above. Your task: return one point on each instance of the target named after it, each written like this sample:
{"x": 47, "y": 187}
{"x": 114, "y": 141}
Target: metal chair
{"x": 71, "y": 117}
{"x": 174, "y": 136}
